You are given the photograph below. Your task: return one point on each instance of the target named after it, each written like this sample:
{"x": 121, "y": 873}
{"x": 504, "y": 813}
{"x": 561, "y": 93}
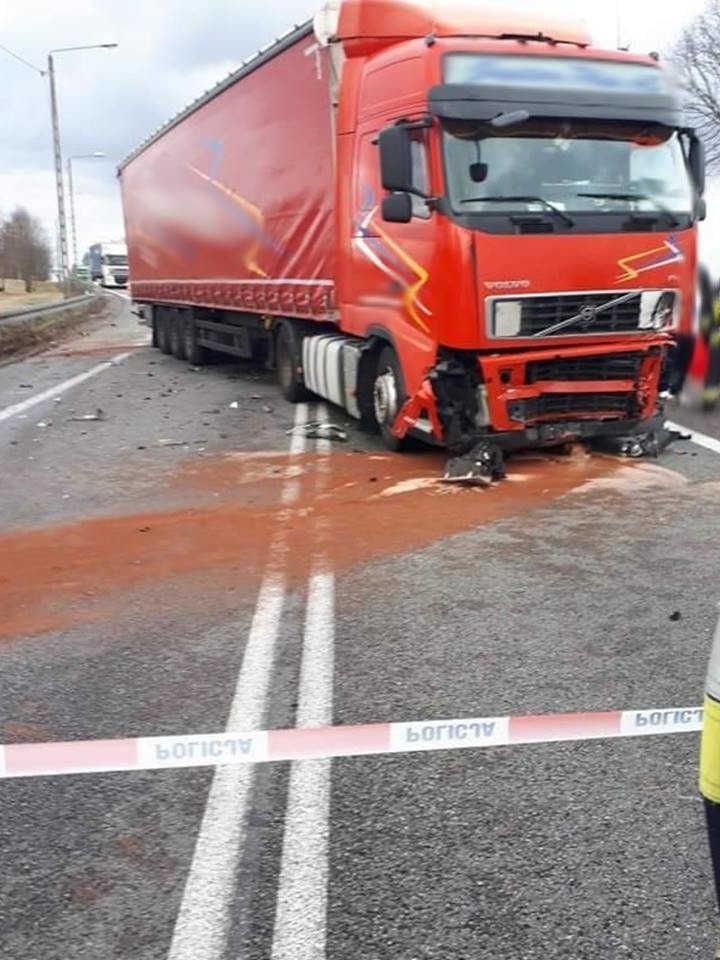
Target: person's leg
{"x": 680, "y": 361}
{"x": 711, "y": 393}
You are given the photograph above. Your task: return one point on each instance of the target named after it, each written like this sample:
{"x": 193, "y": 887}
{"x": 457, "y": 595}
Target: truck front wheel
{"x": 288, "y": 365}
{"x": 388, "y": 397}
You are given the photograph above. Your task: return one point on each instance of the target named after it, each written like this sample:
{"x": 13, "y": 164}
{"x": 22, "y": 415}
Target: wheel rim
{"x": 385, "y": 401}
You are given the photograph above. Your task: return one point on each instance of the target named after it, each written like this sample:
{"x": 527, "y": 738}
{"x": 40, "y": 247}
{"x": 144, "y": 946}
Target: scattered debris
{"x": 675, "y": 616}
{"x": 44, "y": 423}
{"x": 142, "y": 448}
{"x": 88, "y": 417}
{"x": 143, "y": 529}
{"x": 268, "y": 409}
{"x": 650, "y": 443}
{"x": 317, "y": 430}
{"x": 171, "y": 443}
{"x": 234, "y": 405}
{"x": 195, "y": 369}
{"x": 478, "y": 468}
{"x": 255, "y": 396}
{"x": 26, "y": 386}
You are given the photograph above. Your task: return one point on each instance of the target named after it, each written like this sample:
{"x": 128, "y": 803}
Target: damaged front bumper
{"x": 484, "y": 463}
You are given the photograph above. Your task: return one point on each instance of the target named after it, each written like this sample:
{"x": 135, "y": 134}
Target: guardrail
{"x": 29, "y": 313}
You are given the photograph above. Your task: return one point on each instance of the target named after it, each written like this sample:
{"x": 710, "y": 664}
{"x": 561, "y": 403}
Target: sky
{"x": 170, "y": 51}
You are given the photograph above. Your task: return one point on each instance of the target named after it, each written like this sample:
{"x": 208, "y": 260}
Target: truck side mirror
{"x": 397, "y": 208}
{"x": 395, "y": 159}
{"x": 696, "y": 159}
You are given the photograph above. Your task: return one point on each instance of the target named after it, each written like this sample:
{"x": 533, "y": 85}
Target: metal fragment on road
{"x": 87, "y": 417}
{"x": 318, "y": 430}
{"x": 171, "y": 443}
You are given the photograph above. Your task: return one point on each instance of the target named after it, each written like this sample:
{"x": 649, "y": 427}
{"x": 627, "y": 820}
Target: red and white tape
{"x": 264, "y": 746}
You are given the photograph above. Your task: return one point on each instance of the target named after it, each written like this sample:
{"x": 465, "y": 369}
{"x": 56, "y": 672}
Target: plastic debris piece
{"x": 88, "y": 417}
{"x": 171, "y": 443}
{"x": 317, "y": 430}
{"x": 234, "y": 405}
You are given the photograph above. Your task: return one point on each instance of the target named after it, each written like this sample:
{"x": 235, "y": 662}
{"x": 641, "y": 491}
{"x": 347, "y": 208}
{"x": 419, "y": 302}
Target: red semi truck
{"x": 456, "y": 224}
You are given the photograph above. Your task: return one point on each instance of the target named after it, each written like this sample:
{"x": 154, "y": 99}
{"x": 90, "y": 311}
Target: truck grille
{"x": 538, "y": 313}
{"x": 618, "y": 366}
{"x": 562, "y": 405}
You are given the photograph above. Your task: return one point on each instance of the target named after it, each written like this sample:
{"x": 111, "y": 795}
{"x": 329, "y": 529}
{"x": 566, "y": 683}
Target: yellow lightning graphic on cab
{"x": 411, "y": 295}
{"x": 253, "y": 212}
{"x": 670, "y": 254}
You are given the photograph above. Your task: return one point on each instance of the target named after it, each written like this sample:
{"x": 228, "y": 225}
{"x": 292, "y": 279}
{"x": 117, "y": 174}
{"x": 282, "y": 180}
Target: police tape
{"x": 265, "y": 746}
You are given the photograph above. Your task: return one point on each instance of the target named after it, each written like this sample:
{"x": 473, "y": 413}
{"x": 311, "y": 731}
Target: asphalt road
{"x": 170, "y": 568}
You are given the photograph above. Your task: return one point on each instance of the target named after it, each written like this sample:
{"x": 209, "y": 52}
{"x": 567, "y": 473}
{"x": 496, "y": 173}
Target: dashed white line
{"x": 203, "y": 921}
{"x": 701, "y": 439}
{"x": 17, "y": 408}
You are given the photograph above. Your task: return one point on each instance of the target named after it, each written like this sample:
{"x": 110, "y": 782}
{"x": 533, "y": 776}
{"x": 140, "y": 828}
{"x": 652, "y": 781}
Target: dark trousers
{"x": 712, "y": 816}
{"x": 712, "y": 379}
{"x": 678, "y": 363}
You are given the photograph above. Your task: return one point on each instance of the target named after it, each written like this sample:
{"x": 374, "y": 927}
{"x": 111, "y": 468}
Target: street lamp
{"x": 56, "y": 147}
{"x": 97, "y": 155}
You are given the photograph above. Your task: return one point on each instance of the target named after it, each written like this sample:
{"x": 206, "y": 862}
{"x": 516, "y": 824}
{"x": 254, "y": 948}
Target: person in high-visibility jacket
{"x": 710, "y": 330}
{"x": 710, "y": 760}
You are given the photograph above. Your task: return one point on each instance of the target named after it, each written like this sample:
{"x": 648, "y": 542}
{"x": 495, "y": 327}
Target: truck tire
{"x": 163, "y": 333}
{"x": 195, "y": 354}
{"x": 177, "y": 341}
{"x": 388, "y": 397}
{"x": 288, "y": 365}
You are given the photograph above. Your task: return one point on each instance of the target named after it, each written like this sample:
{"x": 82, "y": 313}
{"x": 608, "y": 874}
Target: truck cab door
{"x": 386, "y": 289}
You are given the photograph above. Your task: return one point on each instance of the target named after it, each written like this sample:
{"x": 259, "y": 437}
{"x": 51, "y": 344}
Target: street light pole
{"x": 59, "y": 189}
{"x": 73, "y": 229}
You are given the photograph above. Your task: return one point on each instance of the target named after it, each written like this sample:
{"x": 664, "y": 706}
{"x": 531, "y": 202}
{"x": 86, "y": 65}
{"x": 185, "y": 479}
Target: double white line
{"x": 205, "y": 914}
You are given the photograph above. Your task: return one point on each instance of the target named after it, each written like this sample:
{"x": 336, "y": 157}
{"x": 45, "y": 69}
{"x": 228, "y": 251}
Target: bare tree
{"x": 24, "y": 249}
{"x": 697, "y": 57}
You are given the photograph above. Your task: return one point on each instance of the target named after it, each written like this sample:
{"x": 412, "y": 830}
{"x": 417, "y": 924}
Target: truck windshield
{"x": 578, "y": 166}
{"x": 115, "y": 260}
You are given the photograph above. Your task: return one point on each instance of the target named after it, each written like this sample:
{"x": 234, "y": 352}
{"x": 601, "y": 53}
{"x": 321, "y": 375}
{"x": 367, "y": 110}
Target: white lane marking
{"x": 701, "y": 439}
{"x": 300, "y": 930}
{"x": 301, "y": 912}
{"x": 14, "y": 409}
{"x": 204, "y": 918}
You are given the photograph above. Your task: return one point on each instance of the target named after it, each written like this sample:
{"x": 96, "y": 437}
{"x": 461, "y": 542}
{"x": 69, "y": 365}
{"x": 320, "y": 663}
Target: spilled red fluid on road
{"x": 367, "y": 507}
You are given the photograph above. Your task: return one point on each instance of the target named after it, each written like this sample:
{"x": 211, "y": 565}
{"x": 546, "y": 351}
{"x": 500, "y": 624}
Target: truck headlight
{"x": 658, "y": 309}
{"x": 507, "y": 318}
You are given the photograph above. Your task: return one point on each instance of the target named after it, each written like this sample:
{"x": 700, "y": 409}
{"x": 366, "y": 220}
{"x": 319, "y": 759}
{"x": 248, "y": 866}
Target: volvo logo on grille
{"x": 587, "y": 316}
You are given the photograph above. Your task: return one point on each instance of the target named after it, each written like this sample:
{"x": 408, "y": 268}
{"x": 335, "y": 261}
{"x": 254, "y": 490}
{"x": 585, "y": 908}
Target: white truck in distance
{"x": 108, "y": 264}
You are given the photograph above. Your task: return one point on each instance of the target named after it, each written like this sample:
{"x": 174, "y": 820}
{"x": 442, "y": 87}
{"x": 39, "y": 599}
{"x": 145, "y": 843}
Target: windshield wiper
{"x": 635, "y": 196}
{"x": 546, "y": 203}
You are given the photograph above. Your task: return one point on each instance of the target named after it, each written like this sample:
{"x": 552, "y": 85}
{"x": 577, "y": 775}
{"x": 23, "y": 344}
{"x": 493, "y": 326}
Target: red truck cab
{"x": 471, "y": 227}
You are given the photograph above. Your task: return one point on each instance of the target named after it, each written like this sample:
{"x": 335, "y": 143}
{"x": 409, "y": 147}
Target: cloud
{"x": 170, "y": 52}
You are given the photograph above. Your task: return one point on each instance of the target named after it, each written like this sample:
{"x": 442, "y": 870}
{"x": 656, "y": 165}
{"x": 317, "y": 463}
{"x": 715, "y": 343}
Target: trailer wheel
{"x": 177, "y": 341}
{"x": 195, "y": 354}
{"x": 163, "y": 333}
{"x": 388, "y": 397}
{"x": 287, "y": 362}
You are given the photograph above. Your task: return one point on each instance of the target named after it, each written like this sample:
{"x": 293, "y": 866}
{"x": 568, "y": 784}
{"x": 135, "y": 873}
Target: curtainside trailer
{"x": 456, "y": 223}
